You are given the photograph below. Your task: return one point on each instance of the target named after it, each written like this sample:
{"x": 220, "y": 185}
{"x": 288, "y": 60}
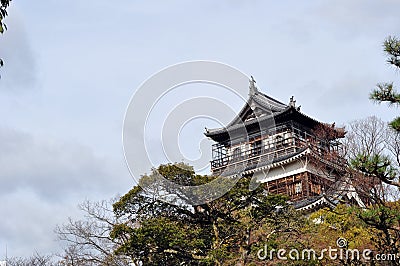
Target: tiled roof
{"x": 270, "y": 107}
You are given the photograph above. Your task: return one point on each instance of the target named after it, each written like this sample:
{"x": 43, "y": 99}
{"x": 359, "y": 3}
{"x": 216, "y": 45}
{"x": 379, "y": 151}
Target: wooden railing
{"x": 261, "y": 155}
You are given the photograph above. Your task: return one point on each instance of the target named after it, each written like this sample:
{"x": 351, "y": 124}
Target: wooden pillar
{"x": 307, "y": 184}
{"x": 302, "y": 184}
{"x": 287, "y": 188}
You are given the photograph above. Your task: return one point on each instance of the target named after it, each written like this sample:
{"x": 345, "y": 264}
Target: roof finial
{"x": 252, "y": 88}
{"x": 292, "y": 102}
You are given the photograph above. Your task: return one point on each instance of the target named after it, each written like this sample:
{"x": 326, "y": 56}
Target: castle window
{"x": 256, "y": 147}
{"x": 297, "y": 188}
{"x": 236, "y": 153}
{"x": 278, "y": 141}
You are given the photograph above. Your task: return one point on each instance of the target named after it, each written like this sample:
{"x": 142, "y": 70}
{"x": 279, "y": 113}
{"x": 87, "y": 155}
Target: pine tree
{"x": 3, "y": 13}
{"x": 385, "y": 91}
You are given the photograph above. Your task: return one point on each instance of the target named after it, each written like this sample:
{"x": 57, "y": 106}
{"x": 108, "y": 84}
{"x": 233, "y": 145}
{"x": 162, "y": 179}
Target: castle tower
{"x": 285, "y": 150}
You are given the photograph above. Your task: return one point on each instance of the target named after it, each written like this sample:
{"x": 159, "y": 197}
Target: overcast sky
{"x": 71, "y": 68}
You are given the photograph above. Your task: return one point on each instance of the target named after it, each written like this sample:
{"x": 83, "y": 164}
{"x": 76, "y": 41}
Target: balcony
{"x": 266, "y": 149}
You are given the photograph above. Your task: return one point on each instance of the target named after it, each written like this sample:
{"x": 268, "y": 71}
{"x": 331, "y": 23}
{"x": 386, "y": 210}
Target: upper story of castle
{"x": 267, "y": 129}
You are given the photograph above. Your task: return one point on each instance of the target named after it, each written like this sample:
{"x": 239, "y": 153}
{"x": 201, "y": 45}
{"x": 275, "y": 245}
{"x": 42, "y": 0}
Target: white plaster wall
{"x": 292, "y": 168}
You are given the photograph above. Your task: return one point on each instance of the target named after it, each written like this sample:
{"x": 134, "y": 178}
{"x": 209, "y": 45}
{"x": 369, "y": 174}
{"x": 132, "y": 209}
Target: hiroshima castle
{"x": 285, "y": 150}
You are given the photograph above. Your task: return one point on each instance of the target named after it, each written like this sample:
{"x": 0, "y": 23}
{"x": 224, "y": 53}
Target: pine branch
{"x": 395, "y": 124}
{"x": 385, "y": 93}
{"x": 392, "y": 48}
{"x": 3, "y": 13}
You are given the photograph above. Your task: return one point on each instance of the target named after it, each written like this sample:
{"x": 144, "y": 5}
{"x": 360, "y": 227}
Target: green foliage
{"x": 374, "y": 171}
{"x": 395, "y": 124}
{"x": 160, "y": 241}
{"x": 179, "y": 173}
{"x": 3, "y": 13}
{"x": 220, "y": 232}
{"x": 381, "y": 217}
{"x": 343, "y": 222}
{"x": 392, "y": 48}
{"x": 384, "y": 219}
{"x": 385, "y": 91}
{"x": 231, "y": 230}
{"x": 379, "y": 166}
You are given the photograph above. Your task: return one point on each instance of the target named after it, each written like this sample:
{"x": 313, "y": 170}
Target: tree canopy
{"x": 220, "y": 232}
{"x": 385, "y": 91}
{"x": 3, "y": 13}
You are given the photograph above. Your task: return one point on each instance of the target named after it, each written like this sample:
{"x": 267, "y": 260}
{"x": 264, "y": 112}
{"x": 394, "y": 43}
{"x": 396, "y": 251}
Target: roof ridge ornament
{"x": 252, "y": 88}
{"x": 292, "y": 102}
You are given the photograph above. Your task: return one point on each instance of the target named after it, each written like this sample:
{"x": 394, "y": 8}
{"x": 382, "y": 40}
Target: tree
{"x": 35, "y": 260}
{"x": 3, "y": 13}
{"x": 328, "y": 225}
{"x": 373, "y": 153}
{"x": 384, "y": 215}
{"x": 385, "y": 92}
{"x": 226, "y": 231}
{"x": 88, "y": 240}
{"x": 373, "y": 149}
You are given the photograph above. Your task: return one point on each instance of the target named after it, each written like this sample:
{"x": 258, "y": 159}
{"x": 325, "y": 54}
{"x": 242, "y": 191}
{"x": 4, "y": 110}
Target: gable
{"x": 254, "y": 108}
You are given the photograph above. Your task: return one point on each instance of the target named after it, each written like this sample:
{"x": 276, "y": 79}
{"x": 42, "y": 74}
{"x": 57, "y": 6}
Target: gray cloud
{"x": 41, "y": 183}
{"x": 359, "y": 18}
{"x": 27, "y": 223}
{"x": 52, "y": 170}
